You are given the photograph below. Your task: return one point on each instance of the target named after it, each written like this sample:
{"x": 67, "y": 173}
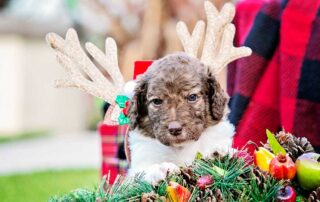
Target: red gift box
{"x": 140, "y": 67}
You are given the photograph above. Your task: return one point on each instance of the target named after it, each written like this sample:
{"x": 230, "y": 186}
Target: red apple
{"x": 282, "y": 167}
{"x": 308, "y": 170}
{"x": 286, "y": 194}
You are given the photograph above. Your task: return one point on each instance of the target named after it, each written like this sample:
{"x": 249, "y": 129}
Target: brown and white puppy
{"x": 178, "y": 109}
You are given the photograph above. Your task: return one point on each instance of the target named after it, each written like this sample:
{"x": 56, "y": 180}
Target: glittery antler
{"x": 191, "y": 42}
{"x": 76, "y": 62}
{"x": 218, "y": 49}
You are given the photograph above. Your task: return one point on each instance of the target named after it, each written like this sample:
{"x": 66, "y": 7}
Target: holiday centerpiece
{"x": 275, "y": 172}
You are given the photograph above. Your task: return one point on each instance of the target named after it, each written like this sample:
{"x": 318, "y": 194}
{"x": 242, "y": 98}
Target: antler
{"x": 218, "y": 49}
{"x": 189, "y": 42}
{"x": 76, "y": 62}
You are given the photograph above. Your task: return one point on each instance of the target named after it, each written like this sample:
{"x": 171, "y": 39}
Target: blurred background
{"x": 48, "y": 139}
{"x": 144, "y": 30}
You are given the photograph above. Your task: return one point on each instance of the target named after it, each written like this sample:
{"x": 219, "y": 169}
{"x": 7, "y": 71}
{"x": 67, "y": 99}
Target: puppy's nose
{"x": 175, "y": 128}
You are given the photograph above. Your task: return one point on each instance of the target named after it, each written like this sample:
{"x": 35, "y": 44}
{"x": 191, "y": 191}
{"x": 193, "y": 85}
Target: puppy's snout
{"x": 175, "y": 128}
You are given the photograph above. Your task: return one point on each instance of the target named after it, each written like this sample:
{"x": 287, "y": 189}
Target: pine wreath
{"x": 215, "y": 178}
{"x": 234, "y": 180}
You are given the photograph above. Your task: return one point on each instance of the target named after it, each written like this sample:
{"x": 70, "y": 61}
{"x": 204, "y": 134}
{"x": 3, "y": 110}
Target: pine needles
{"x": 78, "y": 195}
{"x": 234, "y": 180}
{"x": 226, "y": 172}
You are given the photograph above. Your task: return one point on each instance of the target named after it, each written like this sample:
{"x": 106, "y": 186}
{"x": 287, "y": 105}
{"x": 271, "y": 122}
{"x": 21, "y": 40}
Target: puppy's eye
{"x": 157, "y": 102}
{"x": 192, "y": 98}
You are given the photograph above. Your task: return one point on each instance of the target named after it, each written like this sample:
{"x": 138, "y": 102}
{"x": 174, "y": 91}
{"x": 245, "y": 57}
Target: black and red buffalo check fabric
{"x": 113, "y": 158}
{"x": 278, "y": 86}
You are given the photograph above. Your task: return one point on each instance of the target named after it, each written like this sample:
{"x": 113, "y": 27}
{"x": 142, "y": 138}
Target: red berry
{"x": 125, "y": 111}
{"x": 127, "y": 103}
{"x": 245, "y": 156}
{"x": 205, "y": 181}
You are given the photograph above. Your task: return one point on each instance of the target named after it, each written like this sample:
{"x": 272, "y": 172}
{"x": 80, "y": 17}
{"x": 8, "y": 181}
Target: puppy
{"x": 178, "y": 109}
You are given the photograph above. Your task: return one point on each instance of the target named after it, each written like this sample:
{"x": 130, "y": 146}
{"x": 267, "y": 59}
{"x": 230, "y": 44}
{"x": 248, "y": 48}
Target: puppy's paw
{"x": 158, "y": 172}
{"x": 169, "y": 167}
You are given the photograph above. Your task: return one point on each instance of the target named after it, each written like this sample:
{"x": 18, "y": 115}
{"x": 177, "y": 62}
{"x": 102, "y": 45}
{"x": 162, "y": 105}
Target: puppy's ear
{"x": 217, "y": 98}
{"x": 138, "y": 106}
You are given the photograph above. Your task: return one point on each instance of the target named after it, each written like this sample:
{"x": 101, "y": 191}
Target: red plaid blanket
{"x": 113, "y": 159}
{"x": 279, "y": 85}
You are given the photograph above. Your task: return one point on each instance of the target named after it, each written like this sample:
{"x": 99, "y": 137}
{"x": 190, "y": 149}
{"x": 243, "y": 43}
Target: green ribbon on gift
{"x": 122, "y": 119}
{"x": 121, "y": 101}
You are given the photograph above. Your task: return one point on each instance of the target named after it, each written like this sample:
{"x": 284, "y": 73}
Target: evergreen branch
{"x": 268, "y": 193}
{"x": 232, "y": 177}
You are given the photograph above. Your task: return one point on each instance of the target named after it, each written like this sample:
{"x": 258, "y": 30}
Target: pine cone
{"x": 260, "y": 177}
{"x": 151, "y": 197}
{"x": 208, "y": 195}
{"x": 314, "y": 196}
{"x": 188, "y": 176}
{"x": 295, "y": 146}
{"x": 218, "y": 195}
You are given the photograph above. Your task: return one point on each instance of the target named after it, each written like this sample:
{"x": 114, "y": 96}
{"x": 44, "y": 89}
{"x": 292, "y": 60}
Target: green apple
{"x": 308, "y": 170}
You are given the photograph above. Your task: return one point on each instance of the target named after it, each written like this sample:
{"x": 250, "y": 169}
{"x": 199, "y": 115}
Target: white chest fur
{"x": 146, "y": 151}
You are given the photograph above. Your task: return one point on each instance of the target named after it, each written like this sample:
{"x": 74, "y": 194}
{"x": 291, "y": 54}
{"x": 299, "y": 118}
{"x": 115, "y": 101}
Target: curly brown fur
{"x": 172, "y": 79}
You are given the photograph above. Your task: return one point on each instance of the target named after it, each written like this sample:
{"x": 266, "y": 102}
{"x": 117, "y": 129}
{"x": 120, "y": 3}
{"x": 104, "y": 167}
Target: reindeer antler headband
{"x": 218, "y": 51}
{"x": 75, "y": 61}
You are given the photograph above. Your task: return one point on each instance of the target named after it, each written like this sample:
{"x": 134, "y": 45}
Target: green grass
{"x": 4, "y": 138}
{"x": 40, "y": 186}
